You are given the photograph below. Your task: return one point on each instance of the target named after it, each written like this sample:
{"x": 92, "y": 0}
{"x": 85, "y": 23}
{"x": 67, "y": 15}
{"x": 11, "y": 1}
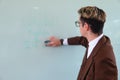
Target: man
{"x": 99, "y": 61}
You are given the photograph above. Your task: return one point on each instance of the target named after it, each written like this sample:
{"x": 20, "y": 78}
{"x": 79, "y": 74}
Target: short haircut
{"x": 94, "y": 17}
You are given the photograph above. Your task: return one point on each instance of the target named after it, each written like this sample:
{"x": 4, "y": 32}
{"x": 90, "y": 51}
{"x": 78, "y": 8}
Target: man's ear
{"x": 86, "y": 26}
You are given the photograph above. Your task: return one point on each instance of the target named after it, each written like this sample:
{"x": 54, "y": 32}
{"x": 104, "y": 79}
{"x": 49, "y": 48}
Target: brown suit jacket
{"x": 101, "y": 64}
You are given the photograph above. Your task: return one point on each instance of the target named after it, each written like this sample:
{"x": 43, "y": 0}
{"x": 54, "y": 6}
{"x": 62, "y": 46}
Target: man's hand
{"x": 53, "y": 42}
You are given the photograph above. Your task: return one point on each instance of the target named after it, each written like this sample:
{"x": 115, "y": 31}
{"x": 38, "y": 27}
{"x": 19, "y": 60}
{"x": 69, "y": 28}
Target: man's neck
{"x": 91, "y": 37}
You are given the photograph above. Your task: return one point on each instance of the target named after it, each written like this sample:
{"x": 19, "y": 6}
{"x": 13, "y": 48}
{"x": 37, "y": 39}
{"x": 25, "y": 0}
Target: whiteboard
{"x": 26, "y": 24}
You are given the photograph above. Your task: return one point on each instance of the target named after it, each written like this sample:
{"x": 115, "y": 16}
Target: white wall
{"x": 26, "y": 24}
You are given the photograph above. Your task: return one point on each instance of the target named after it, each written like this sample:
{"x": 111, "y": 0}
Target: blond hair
{"x": 92, "y": 12}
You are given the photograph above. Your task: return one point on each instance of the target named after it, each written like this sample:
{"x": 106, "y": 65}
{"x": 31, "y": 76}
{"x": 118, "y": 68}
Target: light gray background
{"x": 26, "y": 24}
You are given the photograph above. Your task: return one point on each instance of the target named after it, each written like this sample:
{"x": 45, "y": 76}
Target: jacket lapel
{"x": 90, "y": 59}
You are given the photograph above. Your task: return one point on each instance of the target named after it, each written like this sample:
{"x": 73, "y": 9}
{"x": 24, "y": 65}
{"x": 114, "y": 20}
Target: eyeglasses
{"x": 77, "y": 23}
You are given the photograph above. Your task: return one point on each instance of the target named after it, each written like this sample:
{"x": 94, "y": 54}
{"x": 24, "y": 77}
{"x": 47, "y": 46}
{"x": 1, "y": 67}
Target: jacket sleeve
{"x": 78, "y": 41}
{"x": 105, "y": 70}
{"x": 105, "y": 67}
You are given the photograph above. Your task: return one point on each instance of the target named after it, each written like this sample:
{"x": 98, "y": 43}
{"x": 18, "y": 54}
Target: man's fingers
{"x": 50, "y": 44}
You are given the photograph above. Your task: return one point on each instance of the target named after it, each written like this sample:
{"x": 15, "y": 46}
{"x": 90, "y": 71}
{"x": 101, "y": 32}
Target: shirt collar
{"x": 95, "y": 41}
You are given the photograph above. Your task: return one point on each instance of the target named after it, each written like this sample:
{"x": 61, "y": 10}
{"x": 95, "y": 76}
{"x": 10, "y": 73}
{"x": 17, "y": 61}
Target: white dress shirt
{"x": 92, "y": 44}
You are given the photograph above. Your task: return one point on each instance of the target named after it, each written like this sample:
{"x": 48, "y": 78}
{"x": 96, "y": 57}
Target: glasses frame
{"x": 77, "y": 23}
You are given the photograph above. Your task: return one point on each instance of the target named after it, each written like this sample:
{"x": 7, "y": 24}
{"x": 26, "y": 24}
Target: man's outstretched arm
{"x": 55, "y": 42}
